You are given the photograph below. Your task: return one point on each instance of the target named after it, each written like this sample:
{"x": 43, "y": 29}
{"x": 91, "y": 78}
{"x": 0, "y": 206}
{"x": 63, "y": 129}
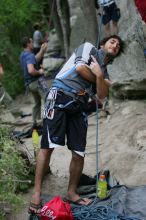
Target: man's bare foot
{"x": 35, "y": 204}
{"x": 76, "y": 199}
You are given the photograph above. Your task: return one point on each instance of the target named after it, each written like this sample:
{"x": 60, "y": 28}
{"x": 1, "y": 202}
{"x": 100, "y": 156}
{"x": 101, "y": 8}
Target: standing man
{"x": 33, "y": 75}
{"x": 37, "y": 41}
{"x": 65, "y": 111}
{"x": 110, "y": 17}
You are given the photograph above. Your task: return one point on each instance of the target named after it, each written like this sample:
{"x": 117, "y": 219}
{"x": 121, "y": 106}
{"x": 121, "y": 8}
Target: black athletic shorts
{"x": 111, "y": 12}
{"x": 68, "y": 125}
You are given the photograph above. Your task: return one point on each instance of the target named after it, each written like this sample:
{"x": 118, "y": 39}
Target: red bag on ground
{"x": 56, "y": 209}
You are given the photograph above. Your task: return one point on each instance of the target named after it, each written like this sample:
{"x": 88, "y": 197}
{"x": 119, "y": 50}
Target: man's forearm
{"x": 42, "y": 51}
{"x": 102, "y": 88}
{"x": 86, "y": 73}
{"x": 33, "y": 71}
{"x": 1, "y": 70}
{"x": 39, "y": 55}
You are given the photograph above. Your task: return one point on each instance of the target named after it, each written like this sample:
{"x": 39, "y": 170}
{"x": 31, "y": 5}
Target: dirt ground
{"x": 121, "y": 143}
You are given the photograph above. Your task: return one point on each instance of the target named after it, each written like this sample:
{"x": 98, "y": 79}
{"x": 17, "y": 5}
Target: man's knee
{"x": 77, "y": 157}
{"x": 38, "y": 103}
{"x": 46, "y": 152}
{"x": 114, "y": 23}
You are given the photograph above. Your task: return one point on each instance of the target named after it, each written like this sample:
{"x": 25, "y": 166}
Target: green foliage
{"x": 14, "y": 12}
{"x": 13, "y": 172}
{"x": 13, "y": 79}
{"x": 17, "y": 17}
{"x": 13, "y": 82}
{"x": 9, "y": 57}
{"x": 16, "y": 20}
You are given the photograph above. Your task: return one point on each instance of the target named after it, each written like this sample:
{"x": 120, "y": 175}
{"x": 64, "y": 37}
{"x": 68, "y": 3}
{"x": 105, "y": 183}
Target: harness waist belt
{"x": 73, "y": 95}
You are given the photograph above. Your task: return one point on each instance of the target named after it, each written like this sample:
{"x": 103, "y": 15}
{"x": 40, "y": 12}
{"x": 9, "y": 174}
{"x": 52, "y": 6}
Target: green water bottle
{"x": 35, "y": 141}
{"x": 102, "y": 187}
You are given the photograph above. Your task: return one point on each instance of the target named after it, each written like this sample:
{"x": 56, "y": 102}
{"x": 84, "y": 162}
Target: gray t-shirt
{"x": 37, "y": 39}
{"x": 69, "y": 80}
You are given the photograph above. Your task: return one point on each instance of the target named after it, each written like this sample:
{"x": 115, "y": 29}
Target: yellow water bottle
{"x": 102, "y": 187}
{"x": 35, "y": 141}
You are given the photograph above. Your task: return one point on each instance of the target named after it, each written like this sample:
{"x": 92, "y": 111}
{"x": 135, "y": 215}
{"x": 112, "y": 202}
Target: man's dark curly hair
{"x": 121, "y": 43}
{"x": 25, "y": 41}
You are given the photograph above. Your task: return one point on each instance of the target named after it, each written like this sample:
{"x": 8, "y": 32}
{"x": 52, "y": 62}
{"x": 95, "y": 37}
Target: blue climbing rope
{"x": 96, "y": 146}
{"x": 97, "y": 212}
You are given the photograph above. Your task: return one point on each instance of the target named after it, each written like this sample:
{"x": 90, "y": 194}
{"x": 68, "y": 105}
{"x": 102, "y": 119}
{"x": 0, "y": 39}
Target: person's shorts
{"x": 111, "y": 12}
{"x": 68, "y": 126}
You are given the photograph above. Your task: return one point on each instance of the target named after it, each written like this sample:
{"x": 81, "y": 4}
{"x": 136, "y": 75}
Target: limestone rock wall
{"x": 130, "y": 68}
{"x": 84, "y": 27}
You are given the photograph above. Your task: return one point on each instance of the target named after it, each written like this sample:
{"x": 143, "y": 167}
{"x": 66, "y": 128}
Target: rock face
{"x": 83, "y": 23}
{"x": 122, "y": 141}
{"x": 53, "y": 61}
{"x": 129, "y": 69}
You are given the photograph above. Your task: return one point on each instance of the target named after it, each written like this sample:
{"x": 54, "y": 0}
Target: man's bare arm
{"x": 86, "y": 73}
{"x": 40, "y": 54}
{"x": 94, "y": 74}
{"x": 1, "y": 70}
{"x": 102, "y": 87}
{"x": 33, "y": 71}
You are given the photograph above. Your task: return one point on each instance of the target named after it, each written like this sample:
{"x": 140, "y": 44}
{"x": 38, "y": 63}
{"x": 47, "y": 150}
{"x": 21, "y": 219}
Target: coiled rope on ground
{"x": 97, "y": 212}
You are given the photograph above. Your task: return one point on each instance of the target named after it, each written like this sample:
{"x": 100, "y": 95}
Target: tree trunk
{"x": 91, "y": 26}
{"x": 64, "y": 15}
{"x": 56, "y": 21}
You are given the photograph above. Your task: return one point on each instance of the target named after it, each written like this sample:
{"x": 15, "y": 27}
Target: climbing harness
{"x": 49, "y": 104}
